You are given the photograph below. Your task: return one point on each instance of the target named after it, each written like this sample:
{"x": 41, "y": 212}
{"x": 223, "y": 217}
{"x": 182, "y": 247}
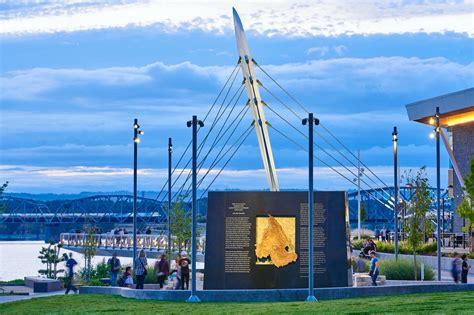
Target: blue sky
{"x": 74, "y": 75}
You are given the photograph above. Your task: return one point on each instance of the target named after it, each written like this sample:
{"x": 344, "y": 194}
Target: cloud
{"x": 324, "y": 50}
{"x": 34, "y": 83}
{"x": 75, "y": 179}
{"x": 340, "y": 50}
{"x": 387, "y": 74}
{"x": 285, "y": 18}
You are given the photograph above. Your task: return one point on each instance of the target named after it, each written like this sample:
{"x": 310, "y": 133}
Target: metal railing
{"x": 451, "y": 240}
{"x": 151, "y": 242}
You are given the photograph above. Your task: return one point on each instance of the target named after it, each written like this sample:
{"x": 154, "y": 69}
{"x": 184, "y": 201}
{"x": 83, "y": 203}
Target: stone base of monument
{"x": 364, "y": 280}
{"x": 42, "y": 284}
{"x": 278, "y": 295}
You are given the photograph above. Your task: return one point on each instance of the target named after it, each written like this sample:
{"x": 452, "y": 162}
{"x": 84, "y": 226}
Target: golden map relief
{"x": 275, "y": 241}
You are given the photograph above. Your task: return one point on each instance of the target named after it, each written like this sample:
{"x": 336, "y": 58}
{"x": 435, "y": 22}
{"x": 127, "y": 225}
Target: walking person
{"x": 140, "y": 269}
{"x": 70, "y": 264}
{"x": 464, "y": 269}
{"x": 456, "y": 268}
{"x": 376, "y": 233}
{"x": 114, "y": 269}
{"x": 184, "y": 263}
{"x": 383, "y": 234}
{"x": 162, "y": 270}
{"x": 374, "y": 268}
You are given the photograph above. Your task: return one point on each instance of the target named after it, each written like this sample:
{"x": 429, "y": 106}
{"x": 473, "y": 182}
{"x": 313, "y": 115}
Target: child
{"x": 126, "y": 280}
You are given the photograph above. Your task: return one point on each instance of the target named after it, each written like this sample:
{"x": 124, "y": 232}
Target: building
{"x": 457, "y": 116}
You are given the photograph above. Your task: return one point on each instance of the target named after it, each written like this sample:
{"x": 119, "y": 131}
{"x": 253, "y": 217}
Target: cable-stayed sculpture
{"x": 255, "y": 103}
{"x": 221, "y": 139}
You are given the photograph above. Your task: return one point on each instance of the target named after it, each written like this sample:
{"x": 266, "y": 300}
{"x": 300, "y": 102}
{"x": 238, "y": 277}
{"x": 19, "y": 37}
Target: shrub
{"x": 402, "y": 269}
{"x": 364, "y": 234}
{"x": 354, "y": 261}
{"x": 151, "y": 276}
{"x": 13, "y": 282}
{"x": 94, "y": 283}
{"x": 403, "y": 248}
{"x": 385, "y": 247}
{"x": 428, "y": 248}
{"x": 101, "y": 270}
{"x": 357, "y": 244}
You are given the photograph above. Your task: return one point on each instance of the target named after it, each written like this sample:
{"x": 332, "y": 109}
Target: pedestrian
{"x": 162, "y": 270}
{"x": 465, "y": 269}
{"x": 374, "y": 268}
{"x": 126, "y": 280}
{"x": 114, "y": 269}
{"x": 456, "y": 268}
{"x": 70, "y": 263}
{"x": 140, "y": 269}
{"x": 383, "y": 233}
{"x": 376, "y": 233}
{"x": 177, "y": 285}
{"x": 184, "y": 266}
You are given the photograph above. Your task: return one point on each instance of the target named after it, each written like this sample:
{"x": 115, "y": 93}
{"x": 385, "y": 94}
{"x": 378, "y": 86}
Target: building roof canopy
{"x": 455, "y": 108}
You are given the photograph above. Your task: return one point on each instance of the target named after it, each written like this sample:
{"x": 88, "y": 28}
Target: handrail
{"x": 151, "y": 242}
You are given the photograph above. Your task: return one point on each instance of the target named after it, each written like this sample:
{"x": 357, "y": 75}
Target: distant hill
{"x": 66, "y": 196}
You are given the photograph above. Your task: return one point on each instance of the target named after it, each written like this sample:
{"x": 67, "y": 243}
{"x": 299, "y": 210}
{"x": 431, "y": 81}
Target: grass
{"x": 13, "y": 282}
{"x": 439, "y": 303}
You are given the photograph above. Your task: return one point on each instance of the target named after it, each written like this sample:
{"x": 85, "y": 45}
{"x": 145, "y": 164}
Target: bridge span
{"x": 93, "y": 210}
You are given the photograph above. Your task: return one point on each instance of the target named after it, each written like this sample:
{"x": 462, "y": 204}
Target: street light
{"x": 194, "y": 123}
{"x": 136, "y": 141}
{"x": 170, "y": 151}
{"x": 438, "y": 192}
{"x": 360, "y": 173}
{"x": 310, "y": 121}
{"x": 395, "y": 176}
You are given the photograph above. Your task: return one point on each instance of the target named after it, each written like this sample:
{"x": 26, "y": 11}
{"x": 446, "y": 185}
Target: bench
{"x": 364, "y": 280}
{"x": 43, "y": 284}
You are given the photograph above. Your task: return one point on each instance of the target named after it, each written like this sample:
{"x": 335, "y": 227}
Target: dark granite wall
{"x": 232, "y": 215}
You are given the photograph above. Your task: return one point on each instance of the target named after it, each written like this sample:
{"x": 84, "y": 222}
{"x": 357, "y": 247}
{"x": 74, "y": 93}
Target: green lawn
{"x": 436, "y": 303}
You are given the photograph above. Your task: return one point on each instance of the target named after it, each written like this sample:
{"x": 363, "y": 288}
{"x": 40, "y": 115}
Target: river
{"x": 20, "y": 258}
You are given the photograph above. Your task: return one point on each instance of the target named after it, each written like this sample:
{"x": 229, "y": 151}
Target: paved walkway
{"x": 23, "y": 289}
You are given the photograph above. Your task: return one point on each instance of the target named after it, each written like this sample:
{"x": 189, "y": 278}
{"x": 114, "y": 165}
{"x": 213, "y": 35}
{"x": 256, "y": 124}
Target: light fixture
{"x": 432, "y": 135}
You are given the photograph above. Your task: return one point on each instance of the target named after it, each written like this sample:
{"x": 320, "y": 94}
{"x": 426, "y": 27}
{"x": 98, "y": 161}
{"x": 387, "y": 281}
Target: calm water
{"x": 20, "y": 258}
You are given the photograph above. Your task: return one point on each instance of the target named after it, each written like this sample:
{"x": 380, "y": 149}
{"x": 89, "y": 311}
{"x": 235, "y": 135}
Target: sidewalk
{"x": 31, "y": 295}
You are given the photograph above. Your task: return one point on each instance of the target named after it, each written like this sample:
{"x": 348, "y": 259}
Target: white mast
{"x": 255, "y": 103}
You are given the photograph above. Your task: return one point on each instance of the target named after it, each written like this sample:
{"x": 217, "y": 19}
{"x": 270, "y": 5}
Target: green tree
{"x": 363, "y": 212}
{"x": 415, "y": 223}
{"x": 51, "y": 256}
{"x": 465, "y": 208}
{"x": 2, "y": 189}
{"x": 181, "y": 224}
{"x": 90, "y": 250}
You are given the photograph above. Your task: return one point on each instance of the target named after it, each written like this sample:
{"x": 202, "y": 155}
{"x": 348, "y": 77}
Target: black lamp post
{"x": 438, "y": 193}
{"x": 310, "y": 121}
{"x": 170, "y": 151}
{"x": 136, "y": 140}
{"x": 395, "y": 178}
{"x": 194, "y": 123}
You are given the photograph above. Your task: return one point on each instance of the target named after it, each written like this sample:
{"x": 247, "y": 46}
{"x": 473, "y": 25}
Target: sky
{"x": 74, "y": 75}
